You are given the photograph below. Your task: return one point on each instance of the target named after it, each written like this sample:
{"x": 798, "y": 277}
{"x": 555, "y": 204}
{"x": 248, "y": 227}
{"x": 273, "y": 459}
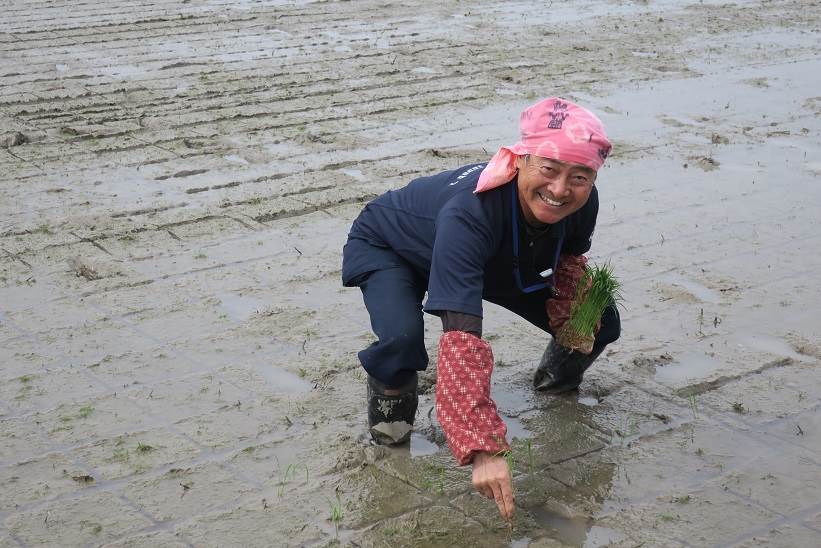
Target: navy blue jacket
{"x": 462, "y": 243}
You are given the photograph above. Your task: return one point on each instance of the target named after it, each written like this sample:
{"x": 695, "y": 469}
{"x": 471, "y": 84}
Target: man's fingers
{"x": 499, "y": 498}
{"x": 508, "y": 500}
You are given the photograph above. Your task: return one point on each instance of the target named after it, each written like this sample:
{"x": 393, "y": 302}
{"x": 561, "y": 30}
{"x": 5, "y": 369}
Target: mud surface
{"x": 179, "y": 361}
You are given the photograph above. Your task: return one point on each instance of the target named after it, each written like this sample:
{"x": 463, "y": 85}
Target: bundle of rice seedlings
{"x": 596, "y": 290}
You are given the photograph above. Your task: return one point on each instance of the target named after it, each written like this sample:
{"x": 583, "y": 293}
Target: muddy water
{"x": 171, "y": 319}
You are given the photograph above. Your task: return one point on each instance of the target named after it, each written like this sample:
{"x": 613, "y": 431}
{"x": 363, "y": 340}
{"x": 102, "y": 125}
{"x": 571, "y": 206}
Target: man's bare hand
{"x": 491, "y": 477}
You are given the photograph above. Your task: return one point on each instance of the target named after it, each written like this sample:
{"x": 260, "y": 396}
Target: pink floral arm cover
{"x": 463, "y": 405}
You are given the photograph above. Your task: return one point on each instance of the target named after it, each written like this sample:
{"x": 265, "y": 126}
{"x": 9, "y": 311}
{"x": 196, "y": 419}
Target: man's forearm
{"x": 463, "y": 404}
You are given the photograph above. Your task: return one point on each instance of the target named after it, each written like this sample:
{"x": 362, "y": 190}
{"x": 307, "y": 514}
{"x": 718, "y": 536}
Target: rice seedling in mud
{"x": 596, "y": 290}
{"x": 336, "y": 513}
{"x": 529, "y": 448}
{"x": 693, "y": 405}
{"x": 290, "y": 473}
{"x": 434, "y": 478}
{"x": 144, "y": 448}
{"x": 85, "y": 411}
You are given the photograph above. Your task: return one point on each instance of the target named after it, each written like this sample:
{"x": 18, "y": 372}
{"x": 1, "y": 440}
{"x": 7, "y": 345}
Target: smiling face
{"x": 550, "y": 190}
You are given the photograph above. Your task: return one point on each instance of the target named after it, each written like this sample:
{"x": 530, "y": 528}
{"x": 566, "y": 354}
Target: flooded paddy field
{"x": 178, "y": 357}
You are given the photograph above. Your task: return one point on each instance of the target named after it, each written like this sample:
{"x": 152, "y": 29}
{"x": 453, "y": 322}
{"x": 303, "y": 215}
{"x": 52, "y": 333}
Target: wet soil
{"x": 177, "y": 357}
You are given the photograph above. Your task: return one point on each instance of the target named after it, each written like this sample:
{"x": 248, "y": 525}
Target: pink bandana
{"x": 552, "y": 128}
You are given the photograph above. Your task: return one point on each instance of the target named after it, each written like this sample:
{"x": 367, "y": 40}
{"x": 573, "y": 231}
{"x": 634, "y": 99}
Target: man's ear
{"x": 519, "y": 162}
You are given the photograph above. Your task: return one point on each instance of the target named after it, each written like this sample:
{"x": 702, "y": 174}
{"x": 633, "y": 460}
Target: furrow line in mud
{"x": 757, "y": 533}
{"x": 149, "y": 15}
{"x": 304, "y": 190}
{"x": 259, "y": 81}
{"x": 192, "y": 29}
{"x": 25, "y": 7}
{"x": 163, "y": 63}
{"x": 104, "y": 21}
{"x": 256, "y": 85}
{"x": 102, "y": 25}
{"x": 147, "y": 211}
{"x": 204, "y": 154}
{"x": 706, "y": 386}
{"x": 16, "y": 257}
{"x": 285, "y": 92}
{"x": 354, "y": 163}
{"x": 101, "y": 237}
{"x": 278, "y": 216}
{"x": 207, "y": 456}
{"x": 130, "y": 38}
{"x": 754, "y": 252}
{"x": 387, "y": 109}
{"x": 794, "y": 440}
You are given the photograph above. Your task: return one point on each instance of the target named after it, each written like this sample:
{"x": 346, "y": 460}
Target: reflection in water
{"x": 515, "y": 429}
{"x": 421, "y": 446}
{"x": 687, "y": 366}
{"x": 575, "y": 531}
{"x": 589, "y": 401}
{"x": 282, "y": 381}
{"x": 570, "y": 530}
{"x": 237, "y": 307}
{"x": 699, "y": 291}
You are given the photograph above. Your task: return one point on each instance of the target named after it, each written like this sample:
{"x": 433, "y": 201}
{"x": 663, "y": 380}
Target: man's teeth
{"x": 547, "y": 200}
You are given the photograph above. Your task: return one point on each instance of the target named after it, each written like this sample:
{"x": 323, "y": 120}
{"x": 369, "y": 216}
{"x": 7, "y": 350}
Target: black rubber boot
{"x": 390, "y": 418}
{"x": 561, "y": 369}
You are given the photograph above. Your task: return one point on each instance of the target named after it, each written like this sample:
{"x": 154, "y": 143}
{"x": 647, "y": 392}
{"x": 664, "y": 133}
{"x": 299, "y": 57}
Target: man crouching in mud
{"x": 512, "y": 232}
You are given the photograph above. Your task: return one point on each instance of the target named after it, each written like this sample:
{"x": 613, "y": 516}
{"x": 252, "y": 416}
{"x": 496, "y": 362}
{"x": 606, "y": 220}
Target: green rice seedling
{"x": 596, "y": 290}
{"x": 43, "y": 228}
{"x": 144, "y": 447}
{"x": 288, "y": 475}
{"x": 433, "y": 478}
{"x": 336, "y": 514}
{"x": 529, "y": 448}
{"x": 120, "y": 455}
{"x": 85, "y": 411}
{"x": 693, "y": 405}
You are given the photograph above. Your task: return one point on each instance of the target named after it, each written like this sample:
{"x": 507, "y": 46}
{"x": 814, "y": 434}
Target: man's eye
{"x": 546, "y": 169}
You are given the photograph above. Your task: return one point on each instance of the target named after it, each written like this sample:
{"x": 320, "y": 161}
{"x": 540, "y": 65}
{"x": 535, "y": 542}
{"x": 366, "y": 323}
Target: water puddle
{"x": 236, "y": 159}
{"x": 512, "y": 401}
{"x": 570, "y": 530}
{"x": 697, "y": 290}
{"x": 602, "y": 536}
{"x": 688, "y": 366}
{"x": 813, "y": 167}
{"x": 771, "y": 345}
{"x": 590, "y": 401}
{"x": 354, "y": 173}
{"x": 421, "y": 446}
{"x": 237, "y": 307}
{"x": 515, "y": 428}
{"x": 282, "y": 381}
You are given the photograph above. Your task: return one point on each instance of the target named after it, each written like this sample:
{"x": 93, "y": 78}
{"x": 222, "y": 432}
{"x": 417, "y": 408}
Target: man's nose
{"x": 560, "y": 185}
